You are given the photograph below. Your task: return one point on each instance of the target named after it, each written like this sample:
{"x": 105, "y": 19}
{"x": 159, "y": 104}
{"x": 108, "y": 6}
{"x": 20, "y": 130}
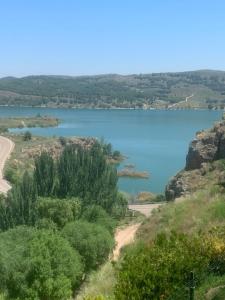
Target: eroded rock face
{"x": 208, "y": 146}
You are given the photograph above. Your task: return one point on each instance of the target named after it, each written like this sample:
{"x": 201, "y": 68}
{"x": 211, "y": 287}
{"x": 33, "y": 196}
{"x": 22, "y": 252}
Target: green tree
{"x": 84, "y": 173}
{"x": 37, "y": 264}
{"x": 19, "y": 208}
{"x": 92, "y": 241}
{"x": 27, "y": 136}
{"x": 60, "y": 211}
{"x": 45, "y": 175}
{"x": 96, "y": 214}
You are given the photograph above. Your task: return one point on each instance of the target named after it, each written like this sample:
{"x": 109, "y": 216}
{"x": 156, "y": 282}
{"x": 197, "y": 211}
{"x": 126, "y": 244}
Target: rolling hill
{"x": 204, "y": 88}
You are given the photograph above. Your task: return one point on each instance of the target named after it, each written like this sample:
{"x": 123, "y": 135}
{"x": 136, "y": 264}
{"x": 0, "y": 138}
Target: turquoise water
{"x": 154, "y": 141}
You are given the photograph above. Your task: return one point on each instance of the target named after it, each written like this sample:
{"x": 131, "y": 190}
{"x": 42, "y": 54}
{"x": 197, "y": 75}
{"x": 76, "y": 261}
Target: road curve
{"x": 6, "y": 147}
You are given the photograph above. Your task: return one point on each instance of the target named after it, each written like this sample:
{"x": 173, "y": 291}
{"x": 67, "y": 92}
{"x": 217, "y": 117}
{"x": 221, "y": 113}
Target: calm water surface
{"x": 154, "y": 141}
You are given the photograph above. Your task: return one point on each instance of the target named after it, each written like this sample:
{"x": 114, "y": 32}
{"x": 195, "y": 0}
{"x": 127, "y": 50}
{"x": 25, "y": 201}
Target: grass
{"x": 100, "y": 282}
{"x": 199, "y": 212}
{"x": 212, "y": 289}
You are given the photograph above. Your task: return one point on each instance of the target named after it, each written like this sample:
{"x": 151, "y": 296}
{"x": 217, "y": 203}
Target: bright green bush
{"x": 60, "y": 211}
{"x": 92, "y": 241}
{"x": 37, "y": 264}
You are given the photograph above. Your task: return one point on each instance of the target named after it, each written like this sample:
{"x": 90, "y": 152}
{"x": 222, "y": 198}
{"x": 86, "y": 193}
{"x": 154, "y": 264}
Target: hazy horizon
{"x": 108, "y": 74}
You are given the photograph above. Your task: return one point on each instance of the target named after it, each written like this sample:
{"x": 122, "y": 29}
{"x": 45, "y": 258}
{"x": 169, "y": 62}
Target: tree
{"x": 20, "y": 207}
{"x": 38, "y": 264}
{"x": 92, "y": 241}
{"x": 27, "y": 136}
{"x": 45, "y": 176}
{"x": 96, "y": 214}
{"x": 84, "y": 173}
{"x": 59, "y": 211}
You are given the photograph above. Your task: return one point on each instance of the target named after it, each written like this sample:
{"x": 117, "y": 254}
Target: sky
{"x": 86, "y": 37}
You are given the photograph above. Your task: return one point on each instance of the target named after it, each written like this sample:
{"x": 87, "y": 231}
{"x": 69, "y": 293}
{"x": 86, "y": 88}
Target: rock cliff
{"x": 206, "y": 148}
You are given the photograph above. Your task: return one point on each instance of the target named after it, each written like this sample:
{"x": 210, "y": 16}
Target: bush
{"x": 62, "y": 140}
{"x": 161, "y": 270}
{"x": 96, "y": 214}
{"x": 37, "y": 264}
{"x": 27, "y": 136}
{"x": 59, "y": 211}
{"x": 92, "y": 241}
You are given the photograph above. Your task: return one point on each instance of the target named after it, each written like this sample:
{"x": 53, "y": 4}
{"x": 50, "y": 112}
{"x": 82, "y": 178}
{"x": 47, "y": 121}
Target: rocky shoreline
{"x": 207, "y": 148}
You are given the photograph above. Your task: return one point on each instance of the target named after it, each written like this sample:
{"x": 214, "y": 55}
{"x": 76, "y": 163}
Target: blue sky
{"x": 77, "y": 37}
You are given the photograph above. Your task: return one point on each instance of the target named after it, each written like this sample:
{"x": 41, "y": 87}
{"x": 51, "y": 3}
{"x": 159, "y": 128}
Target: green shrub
{"x": 161, "y": 270}
{"x": 37, "y": 264}
{"x": 27, "y": 136}
{"x": 92, "y": 241}
{"x": 60, "y": 211}
{"x": 96, "y": 214}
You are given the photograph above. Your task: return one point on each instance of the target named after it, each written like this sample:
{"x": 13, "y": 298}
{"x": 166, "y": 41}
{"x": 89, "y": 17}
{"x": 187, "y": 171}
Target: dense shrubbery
{"x": 92, "y": 241}
{"x": 67, "y": 208}
{"x": 96, "y": 214}
{"x": 37, "y": 264}
{"x": 161, "y": 270}
{"x": 59, "y": 211}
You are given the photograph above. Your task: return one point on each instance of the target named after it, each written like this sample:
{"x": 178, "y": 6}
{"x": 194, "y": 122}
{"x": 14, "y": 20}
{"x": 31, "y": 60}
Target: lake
{"x": 155, "y": 141}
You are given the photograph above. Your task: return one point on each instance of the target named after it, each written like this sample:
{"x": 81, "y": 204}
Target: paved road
{"x": 6, "y": 147}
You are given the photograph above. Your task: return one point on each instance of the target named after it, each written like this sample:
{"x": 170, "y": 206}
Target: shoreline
{"x": 113, "y": 108}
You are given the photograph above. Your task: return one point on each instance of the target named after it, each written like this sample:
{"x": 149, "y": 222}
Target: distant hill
{"x": 204, "y": 88}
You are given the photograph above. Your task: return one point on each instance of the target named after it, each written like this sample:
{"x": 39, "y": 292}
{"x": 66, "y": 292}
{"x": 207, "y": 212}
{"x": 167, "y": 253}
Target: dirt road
{"x": 125, "y": 236}
{"x": 6, "y": 147}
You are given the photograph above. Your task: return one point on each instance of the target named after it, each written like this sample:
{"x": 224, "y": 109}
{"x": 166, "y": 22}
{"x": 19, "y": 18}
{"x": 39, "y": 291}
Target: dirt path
{"x": 125, "y": 236}
{"x": 6, "y": 147}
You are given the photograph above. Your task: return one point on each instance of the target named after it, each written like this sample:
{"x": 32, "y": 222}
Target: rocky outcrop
{"x": 207, "y": 147}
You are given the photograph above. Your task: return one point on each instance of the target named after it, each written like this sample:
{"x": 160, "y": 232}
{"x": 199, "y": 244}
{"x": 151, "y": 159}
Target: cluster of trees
{"x": 57, "y": 224}
{"x": 162, "y": 269}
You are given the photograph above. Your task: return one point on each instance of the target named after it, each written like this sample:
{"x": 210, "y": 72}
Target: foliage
{"x": 161, "y": 269}
{"x": 62, "y": 140}
{"x": 119, "y": 207}
{"x": 99, "y": 283}
{"x": 60, "y": 211}
{"x": 10, "y": 175}
{"x": 45, "y": 175}
{"x": 78, "y": 173}
{"x": 27, "y": 136}
{"x": 92, "y": 241}
{"x": 84, "y": 173}
{"x": 37, "y": 265}
{"x": 96, "y": 214}
{"x": 115, "y": 90}
{"x": 19, "y": 207}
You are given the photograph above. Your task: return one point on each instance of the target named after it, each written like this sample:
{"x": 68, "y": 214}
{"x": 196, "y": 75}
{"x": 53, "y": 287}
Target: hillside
{"x": 205, "y": 88}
